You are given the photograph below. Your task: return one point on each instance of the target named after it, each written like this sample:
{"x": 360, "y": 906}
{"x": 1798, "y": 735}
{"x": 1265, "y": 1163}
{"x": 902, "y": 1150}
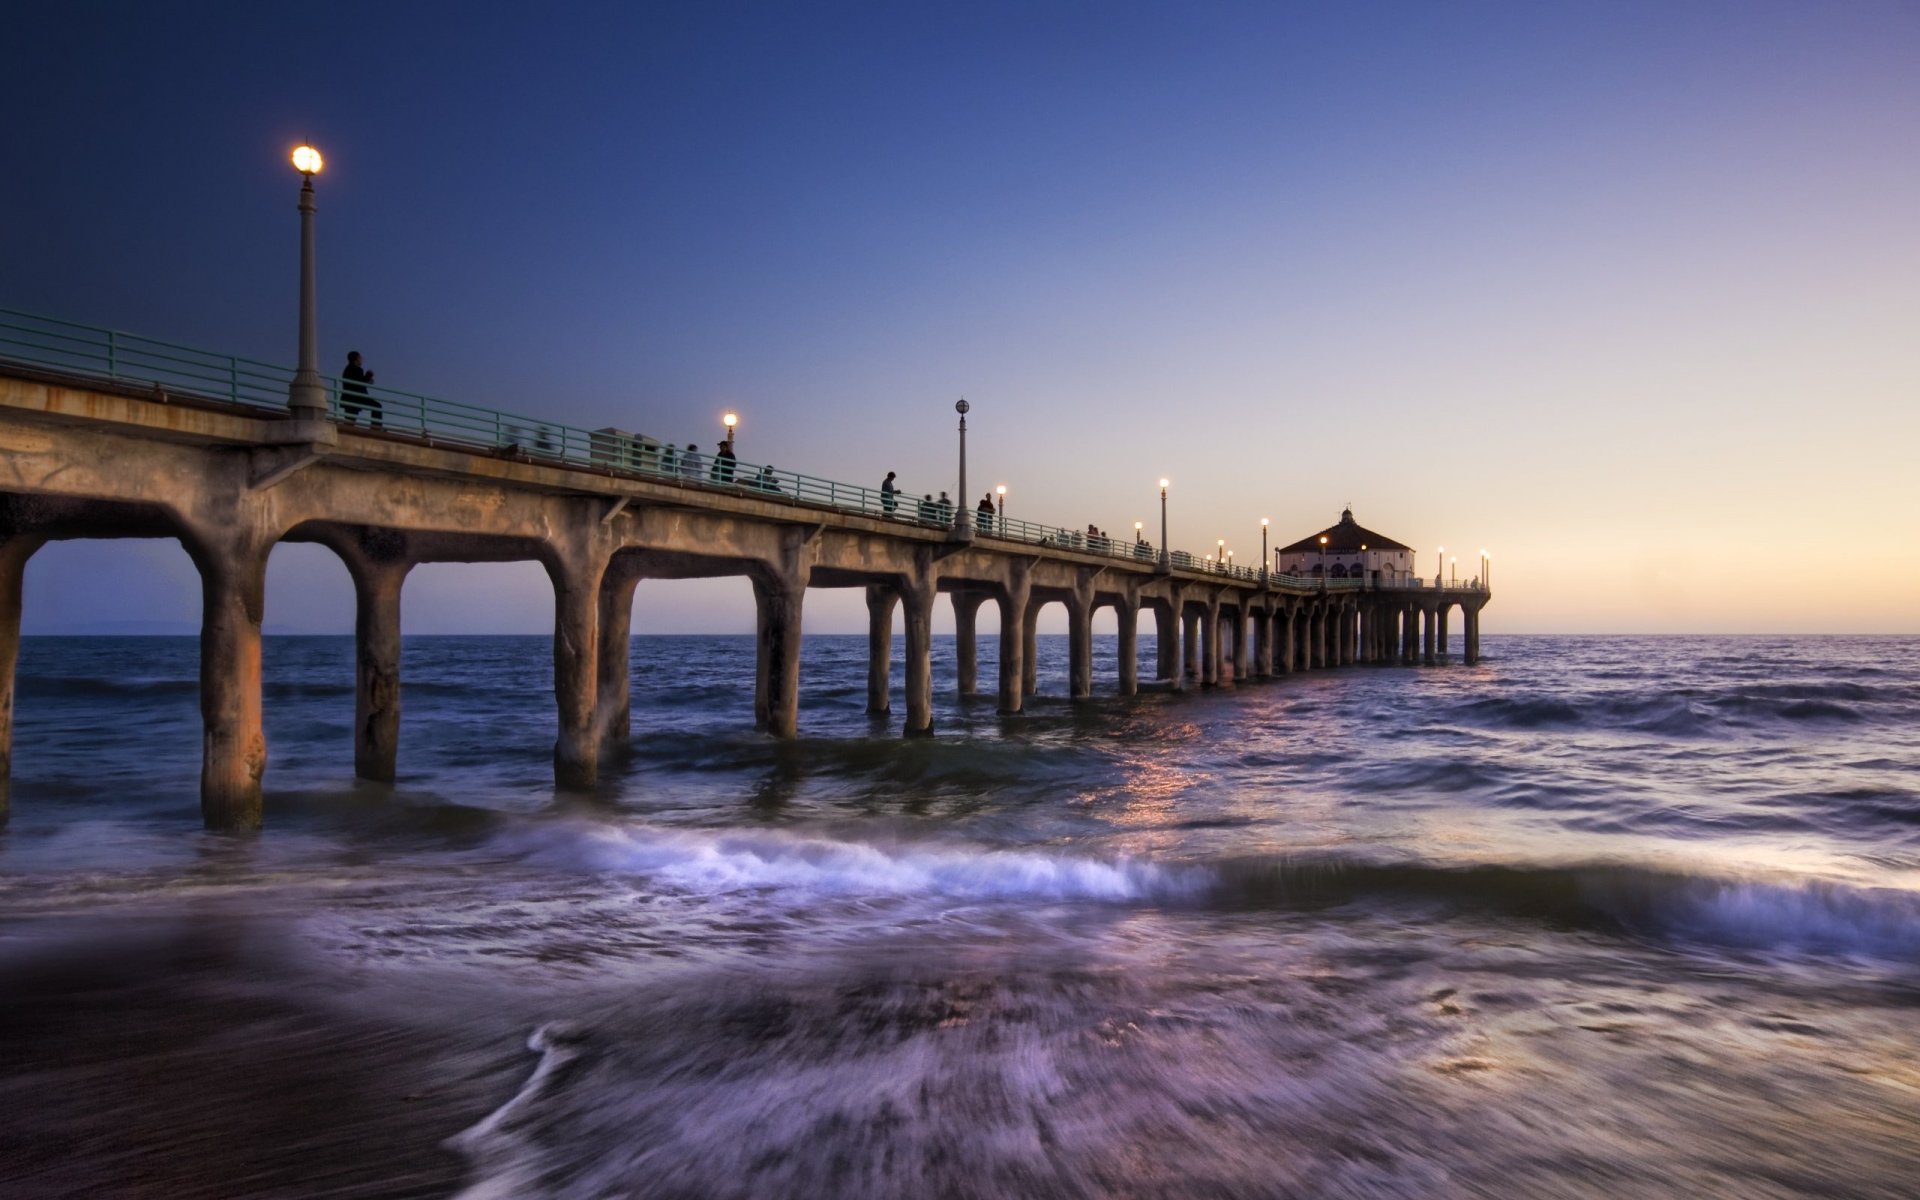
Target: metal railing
{"x": 90, "y": 351}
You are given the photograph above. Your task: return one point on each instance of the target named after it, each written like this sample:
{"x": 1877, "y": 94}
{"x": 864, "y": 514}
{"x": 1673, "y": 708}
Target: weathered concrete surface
{"x": 102, "y": 460}
{"x": 14, "y": 553}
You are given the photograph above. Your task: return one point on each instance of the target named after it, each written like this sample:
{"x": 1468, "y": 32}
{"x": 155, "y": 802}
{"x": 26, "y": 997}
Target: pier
{"x": 105, "y": 434}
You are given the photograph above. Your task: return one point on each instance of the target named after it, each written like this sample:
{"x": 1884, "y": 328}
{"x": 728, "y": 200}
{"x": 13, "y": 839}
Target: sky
{"x": 1627, "y": 294}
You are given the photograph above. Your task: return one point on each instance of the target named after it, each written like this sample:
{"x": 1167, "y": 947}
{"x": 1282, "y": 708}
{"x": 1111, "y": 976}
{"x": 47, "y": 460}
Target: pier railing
{"x": 118, "y": 357}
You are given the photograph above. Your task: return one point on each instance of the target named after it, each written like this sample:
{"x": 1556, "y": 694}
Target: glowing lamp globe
{"x": 307, "y": 160}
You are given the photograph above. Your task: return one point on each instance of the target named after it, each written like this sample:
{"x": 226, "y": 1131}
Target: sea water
{"x": 1598, "y": 917}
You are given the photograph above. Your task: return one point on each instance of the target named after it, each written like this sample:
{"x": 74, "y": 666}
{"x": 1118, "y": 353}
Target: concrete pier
{"x": 98, "y": 458}
{"x": 15, "y": 550}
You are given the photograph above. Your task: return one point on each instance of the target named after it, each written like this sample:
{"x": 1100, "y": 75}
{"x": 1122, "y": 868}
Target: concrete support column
{"x": 1127, "y": 612}
{"x": 1030, "y": 658}
{"x": 577, "y": 574}
{"x": 916, "y": 601}
{"x": 1080, "y": 640}
{"x": 1470, "y": 617}
{"x": 1429, "y": 620}
{"x": 1349, "y": 635}
{"x": 1211, "y": 655}
{"x": 1317, "y": 633}
{"x": 880, "y": 601}
{"x": 376, "y": 682}
{"x": 1242, "y": 651}
{"x": 1442, "y": 648}
{"x": 1409, "y": 635}
{"x": 1166, "y": 644}
{"x": 1263, "y": 643}
{"x": 966, "y": 642}
{"x": 613, "y": 692}
{"x": 1013, "y": 641}
{"x": 1285, "y": 628}
{"x": 1190, "y": 648}
{"x": 233, "y": 756}
{"x": 777, "y": 601}
{"x": 15, "y": 550}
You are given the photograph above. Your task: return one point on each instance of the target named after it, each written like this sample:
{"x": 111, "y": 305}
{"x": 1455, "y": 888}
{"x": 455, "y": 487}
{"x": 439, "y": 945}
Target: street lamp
{"x": 1000, "y": 501}
{"x": 307, "y": 396}
{"x": 1220, "y": 554}
{"x": 730, "y": 421}
{"x": 1138, "y": 537}
{"x": 1486, "y": 570}
{"x": 1323, "y": 562}
{"x": 1263, "y": 550}
{"x": 1453, "y": 569}
{"x": 960, "y": 506}
{"x": 1439, "y": 566}
{"x": 1166, "y": 557}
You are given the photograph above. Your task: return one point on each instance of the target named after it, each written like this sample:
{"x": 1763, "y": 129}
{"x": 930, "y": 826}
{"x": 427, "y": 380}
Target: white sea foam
{"x": 713, "y": 861}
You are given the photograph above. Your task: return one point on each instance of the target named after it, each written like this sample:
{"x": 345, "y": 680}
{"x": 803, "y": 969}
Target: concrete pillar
{"x": 1189, "y": 647}
{"x": 1030, "y": 658}
{"x": 233, "y": 754}
{"x": 880, "y": 601}
{"x": 1013, "y": 641}
{"x": 1442, "y": 636}
{"x": 1127, "y": 612}
{"x": 1409, "y": 635}
{"x": 777, "y": 600}
{"x": 1349, "y": 634}
{"x": 1470, "y": 616}
{"x": 613, "y": 693}
{"x": 1166, "y": 643}
{"x": 1212, "y": 656}
{"x": 916, "y": 600}
{"x": 966, "y": 642}
{"x": 1429, "y": 619}
{"x": 1242, "y": 651}
{"x": 1080, "y": 643}
{"x": 1263, "y": 643}
{"x": 576, "y": 574}
{"x": 1285, "y": 628}
{"x": 15, "y": 550}
{"x": 376, "y": 682}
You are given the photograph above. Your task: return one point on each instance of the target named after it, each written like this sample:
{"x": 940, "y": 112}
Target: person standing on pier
{"x": 354, "y": 379}
{"x": 691, "y": 463}
{"x": 983, "y": 514}
{"x": 723, "y": 461}
{"x": 889, "y": 495}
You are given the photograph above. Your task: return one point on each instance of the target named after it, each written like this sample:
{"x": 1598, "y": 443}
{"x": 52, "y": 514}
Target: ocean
{"x": 1600, "y": 917}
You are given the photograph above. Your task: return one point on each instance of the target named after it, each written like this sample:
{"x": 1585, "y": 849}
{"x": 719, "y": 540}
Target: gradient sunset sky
{"x": 1628, "y": 294}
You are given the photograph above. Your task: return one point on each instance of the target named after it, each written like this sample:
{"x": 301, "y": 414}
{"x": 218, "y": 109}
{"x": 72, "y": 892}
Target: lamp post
{"x": 1453, "y": 570}
{"x": 1439, "y": 566}
{"x": 1486, "y": 570}
{"x": 1263, "y": 551}
{"x": 1220, "y": 555}
{"x": 731, "y": 421}
{"x": 1139, "y": 531}
{"x": 307, "y": 396}
{"x": 1323, "y": 562}
{"x": 1166, "y": 556}
{"x": 1000, "y": 507}
{"x": 960, "y": 506}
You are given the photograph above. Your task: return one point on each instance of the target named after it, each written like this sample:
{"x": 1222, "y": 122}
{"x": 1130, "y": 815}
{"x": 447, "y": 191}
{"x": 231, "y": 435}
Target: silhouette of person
{"x": 723, "y": 461}
{"x": 766, "y": 482}
{"x": 983, "y": 514}
{"x": 889, "y": 495}
{"x": 691, "y": 463}
{"x": 354, "y": 379}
